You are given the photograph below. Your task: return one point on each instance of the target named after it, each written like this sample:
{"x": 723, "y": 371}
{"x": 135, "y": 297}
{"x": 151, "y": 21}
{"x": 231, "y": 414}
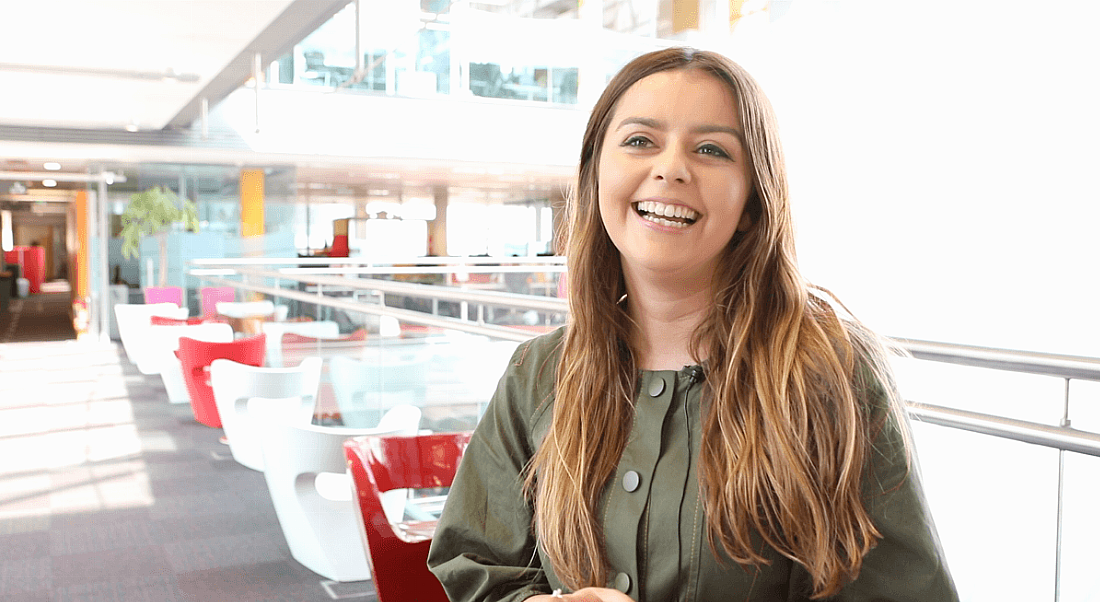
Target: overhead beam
{"x": 108, "y": 177}
{"x": 301, "y": 18}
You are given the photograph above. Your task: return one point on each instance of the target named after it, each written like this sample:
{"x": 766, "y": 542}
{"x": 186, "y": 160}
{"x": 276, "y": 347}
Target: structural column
{"x": 252, "y": 203}
{"x": 710, "y": 16}
{"x": 79, "y": 263}
{"x": 437, "y": 228}
{"x": 252, "y": 215}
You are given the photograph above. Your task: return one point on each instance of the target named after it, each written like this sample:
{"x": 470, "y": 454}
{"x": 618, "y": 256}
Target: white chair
{"x": 321, "y": 329}
{"x": 366, "y": 389}
{"x": 321, "y": 529}
{"x": 164, "y": 340}
{"x": 234, "y": 384}
{"x": 133, "y": 327}
{"x": 389, "y": 326}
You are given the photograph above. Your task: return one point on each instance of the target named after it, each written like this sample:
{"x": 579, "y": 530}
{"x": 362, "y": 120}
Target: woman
{"x": 708, "y": 427}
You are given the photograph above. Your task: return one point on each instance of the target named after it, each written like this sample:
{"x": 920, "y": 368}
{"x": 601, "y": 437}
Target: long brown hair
{"x": 786, "y": 432}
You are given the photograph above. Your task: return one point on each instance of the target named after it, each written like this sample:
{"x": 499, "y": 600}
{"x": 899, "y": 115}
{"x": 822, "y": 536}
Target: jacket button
{"x": 622, "y": 583}
{"x": 656, "y": 387}
{"x": 631, "y": 480}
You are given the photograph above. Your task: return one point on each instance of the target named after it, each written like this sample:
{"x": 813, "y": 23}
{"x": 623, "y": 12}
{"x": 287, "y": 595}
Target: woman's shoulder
{"x": 525, "y": 392}
{"x": 535, "y": 351}
{"x": 529, "y": 377}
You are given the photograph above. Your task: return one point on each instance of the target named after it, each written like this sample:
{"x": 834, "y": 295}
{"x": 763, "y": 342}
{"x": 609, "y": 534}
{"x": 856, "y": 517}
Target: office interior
{"x": 401, "y": 168}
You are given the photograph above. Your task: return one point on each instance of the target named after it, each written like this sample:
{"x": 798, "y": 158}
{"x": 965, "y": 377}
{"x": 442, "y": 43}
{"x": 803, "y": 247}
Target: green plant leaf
{"x": 152, "y": 212}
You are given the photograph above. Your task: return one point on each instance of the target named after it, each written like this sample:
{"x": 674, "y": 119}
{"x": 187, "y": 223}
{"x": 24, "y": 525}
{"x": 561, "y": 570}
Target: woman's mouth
{"x": 675, "y": 216}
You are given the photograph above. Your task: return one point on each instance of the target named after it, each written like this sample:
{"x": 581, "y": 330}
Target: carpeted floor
{"x": 108, "y": 492}
{"x": 39, "y": 317}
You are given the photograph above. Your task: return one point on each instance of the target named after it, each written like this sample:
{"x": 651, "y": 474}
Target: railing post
{"x": 1065, "y": 423}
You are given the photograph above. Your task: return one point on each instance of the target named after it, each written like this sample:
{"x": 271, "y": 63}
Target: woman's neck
{"x": 666, "y": 314}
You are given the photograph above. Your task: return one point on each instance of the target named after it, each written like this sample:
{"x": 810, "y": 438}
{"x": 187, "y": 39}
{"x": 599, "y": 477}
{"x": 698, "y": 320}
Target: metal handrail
{"x": 1062, "y": 437}
{"x": 1058, "y": 437}
{"x": 429, "y": 291}
{"x": 1062, "y": 366}
{"x": 1048, "y": 364}
{"x": 378, "y": 309}
{"x": 466, "y": 260}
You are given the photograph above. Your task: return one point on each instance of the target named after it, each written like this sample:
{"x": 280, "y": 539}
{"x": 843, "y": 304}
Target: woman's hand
{"x": 588, "y": 594}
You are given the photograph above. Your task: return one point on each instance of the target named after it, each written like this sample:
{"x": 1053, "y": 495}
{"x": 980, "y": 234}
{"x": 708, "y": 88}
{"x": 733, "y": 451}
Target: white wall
{"x": 306, "y": 122}
{"x": 944, "y": 160}
{"x": 942, "y": 156}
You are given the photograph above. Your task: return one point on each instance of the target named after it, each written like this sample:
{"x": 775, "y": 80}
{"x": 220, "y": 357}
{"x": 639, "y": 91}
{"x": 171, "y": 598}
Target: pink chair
{"x": 195, "y": 357}
{"x": 164, "y": 294}
{"x": 398, "y": 553}
{"x": 212, "y": 295}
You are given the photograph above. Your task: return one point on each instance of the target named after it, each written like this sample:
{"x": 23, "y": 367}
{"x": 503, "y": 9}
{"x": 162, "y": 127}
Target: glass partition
{"x": 485, "y": 50}
{"x": 435, "y": 333}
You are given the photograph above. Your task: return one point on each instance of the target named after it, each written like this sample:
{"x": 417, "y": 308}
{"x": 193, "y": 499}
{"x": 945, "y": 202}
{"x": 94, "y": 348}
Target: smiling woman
{"x": 709, "y": 426}
{"x": 674, "y": 178}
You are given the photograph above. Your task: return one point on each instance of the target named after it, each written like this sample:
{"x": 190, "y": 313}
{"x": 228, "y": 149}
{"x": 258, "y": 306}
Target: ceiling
{"x": 101, "y": 68}
{"x": 126, "y": 64}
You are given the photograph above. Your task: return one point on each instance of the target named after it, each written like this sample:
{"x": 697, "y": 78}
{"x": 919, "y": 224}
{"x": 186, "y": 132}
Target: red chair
{"x": 398, "y": 552}
{"x": 32, "y": 262}
{"x": 163, "y": 321}
{"x": 297, "y": 347}
{"x": 195, "y": 357}
{"x": 212, "y": 295}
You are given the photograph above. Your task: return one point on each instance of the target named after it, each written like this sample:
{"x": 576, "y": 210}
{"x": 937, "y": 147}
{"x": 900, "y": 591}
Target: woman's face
{"x": 674, "y": 175}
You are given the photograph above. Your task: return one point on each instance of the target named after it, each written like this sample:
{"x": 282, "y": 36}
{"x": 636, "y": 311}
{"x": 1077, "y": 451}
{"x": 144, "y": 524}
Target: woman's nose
{"x": 671, "y": 166}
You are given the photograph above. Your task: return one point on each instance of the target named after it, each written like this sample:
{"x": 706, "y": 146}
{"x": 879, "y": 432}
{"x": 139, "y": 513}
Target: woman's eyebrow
{"x": 701, "y": 129}
{"x": 720, "y": 129}
{"x": 643, "y": 121}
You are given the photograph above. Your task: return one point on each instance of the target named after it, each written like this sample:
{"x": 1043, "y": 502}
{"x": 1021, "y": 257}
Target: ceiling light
{"x": 49, "y": 183}
{"x": 131, "y": 127}
{"x": 51, "y": 166}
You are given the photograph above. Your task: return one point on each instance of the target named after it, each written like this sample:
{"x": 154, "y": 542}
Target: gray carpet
{"x": 108, "y": 492}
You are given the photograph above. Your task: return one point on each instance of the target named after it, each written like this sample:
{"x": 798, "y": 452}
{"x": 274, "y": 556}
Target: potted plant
{"x": 153, "y": 212}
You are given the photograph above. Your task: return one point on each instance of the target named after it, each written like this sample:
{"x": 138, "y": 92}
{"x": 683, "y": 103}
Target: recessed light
{"x": 131, "y": 127}
{"x": 49, "y": 183}
{"x": 51, "y": 166}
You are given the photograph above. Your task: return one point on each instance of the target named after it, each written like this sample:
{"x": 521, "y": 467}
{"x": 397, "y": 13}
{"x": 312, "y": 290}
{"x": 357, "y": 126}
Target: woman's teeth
{"x": 676, "y": 216}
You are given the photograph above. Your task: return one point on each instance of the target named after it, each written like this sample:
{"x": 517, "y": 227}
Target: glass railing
{"x": 397, "y": 49}
{"x": 433, "y": 332}
{"x": 1007, "y": 441}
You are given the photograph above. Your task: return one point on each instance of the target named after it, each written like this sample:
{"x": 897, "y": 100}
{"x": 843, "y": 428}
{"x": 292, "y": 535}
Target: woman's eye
{"x": 710, "y": 149}
{"x": 637, "y": 142}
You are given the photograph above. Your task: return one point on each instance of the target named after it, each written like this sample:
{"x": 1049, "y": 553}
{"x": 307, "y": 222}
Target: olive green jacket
{"x": 484, "y": 548}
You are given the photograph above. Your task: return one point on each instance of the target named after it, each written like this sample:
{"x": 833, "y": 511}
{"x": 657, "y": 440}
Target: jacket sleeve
{"x": 484, "y": 548}
{"x": 908, "y": 563}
